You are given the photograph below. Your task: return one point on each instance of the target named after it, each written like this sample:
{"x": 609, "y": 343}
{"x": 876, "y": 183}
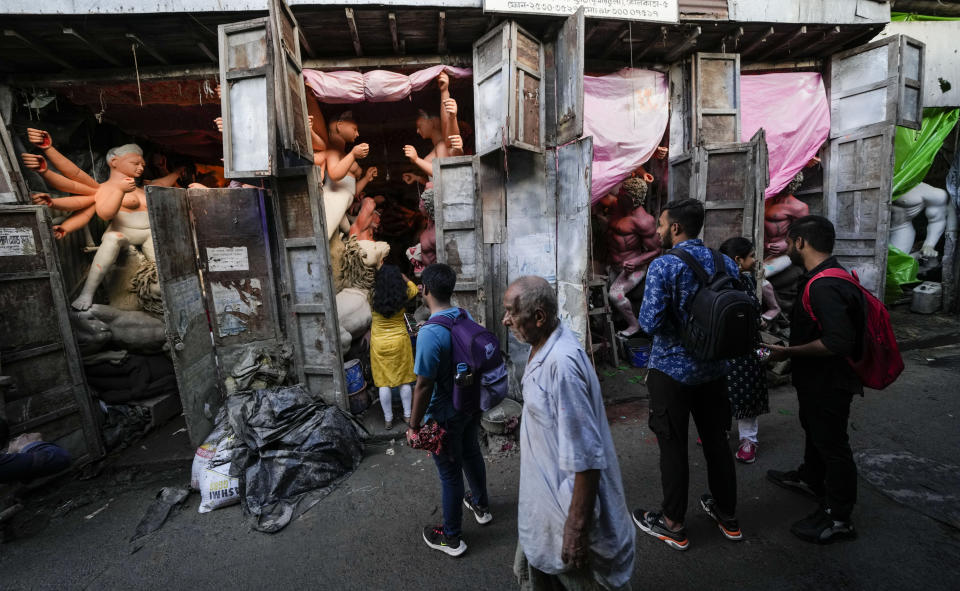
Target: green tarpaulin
{"x": 915, "y": 150}
{"x": 908, "y": 16}
{"x": 901, "y": 270}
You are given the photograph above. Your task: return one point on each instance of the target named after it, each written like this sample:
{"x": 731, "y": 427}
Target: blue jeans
{"x": 461, "y": 455}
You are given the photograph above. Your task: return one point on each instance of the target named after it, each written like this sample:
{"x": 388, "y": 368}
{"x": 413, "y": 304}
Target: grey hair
{"x": 535, "y": 293}
{"x": 124, "y": 149}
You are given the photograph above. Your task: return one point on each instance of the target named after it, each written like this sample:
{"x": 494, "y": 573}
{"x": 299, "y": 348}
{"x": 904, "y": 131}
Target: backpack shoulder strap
{"x": 691, "y": 262}
{"x": 834, "y": 273}
{"x": 441, "y": 320}
{"x": 719, "y": 265}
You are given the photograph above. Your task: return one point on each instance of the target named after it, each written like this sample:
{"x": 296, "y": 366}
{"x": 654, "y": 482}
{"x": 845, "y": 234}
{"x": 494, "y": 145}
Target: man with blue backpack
{"x": 699, "y": 317}
{"x": 460, "y": 372}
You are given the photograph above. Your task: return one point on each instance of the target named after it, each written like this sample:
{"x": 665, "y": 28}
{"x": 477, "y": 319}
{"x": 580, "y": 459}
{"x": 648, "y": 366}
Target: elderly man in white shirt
{"x": 574, "y": 526}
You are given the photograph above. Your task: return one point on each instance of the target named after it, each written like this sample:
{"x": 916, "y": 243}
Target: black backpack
{"x": 722, "y": 319}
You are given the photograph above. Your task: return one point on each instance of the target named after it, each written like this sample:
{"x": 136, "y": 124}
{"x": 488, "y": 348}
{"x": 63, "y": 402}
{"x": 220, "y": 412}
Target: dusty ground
{"x": 366, "y": 534}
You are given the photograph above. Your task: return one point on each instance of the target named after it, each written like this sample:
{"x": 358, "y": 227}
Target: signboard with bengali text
{"x": 665, "y": 11}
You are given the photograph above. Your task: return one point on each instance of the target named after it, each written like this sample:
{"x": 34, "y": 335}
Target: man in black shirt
{"x": 825, "y": 383}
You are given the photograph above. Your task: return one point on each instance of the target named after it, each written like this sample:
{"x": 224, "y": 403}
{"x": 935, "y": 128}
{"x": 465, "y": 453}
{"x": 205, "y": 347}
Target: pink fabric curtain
{"x": 792, "y": 108}
{"x": 627, "y": 114}
{"x": 377, "y": 86}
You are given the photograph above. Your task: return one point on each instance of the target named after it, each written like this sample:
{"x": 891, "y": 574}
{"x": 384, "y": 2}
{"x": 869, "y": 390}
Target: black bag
{"x": 722, "y": 320}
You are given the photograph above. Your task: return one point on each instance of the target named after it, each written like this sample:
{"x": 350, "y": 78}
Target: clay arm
{"x": 168, "y": 180}
{"x": 73, "y": 203}
{"x": 110, "y": 197}
{"x": 370, "y": 174}
{"x": 424, "y": 164}
{"x": 642, "y": 173}
{"x": 75, "y": 222}
{"x": 449, "y": 126}
{"x": 71, "y": 171}
{"x": 365, "y": 217}
{"x": 338, "y": 166}
{"x": 54, "y": 180}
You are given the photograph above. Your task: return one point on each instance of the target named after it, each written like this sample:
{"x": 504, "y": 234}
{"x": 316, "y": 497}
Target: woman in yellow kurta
{"x": 391, "y": 354}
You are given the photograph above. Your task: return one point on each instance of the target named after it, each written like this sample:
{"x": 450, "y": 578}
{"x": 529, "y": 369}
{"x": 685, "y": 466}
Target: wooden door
{"x": 716, "y": 98}
{"x": 307, "y": 295}
{"x": 866, "y": 87}
{"x": 13, "y": 188}
{"x": 460, "y": 231}
{"x": 573, "y": 167}
{"x": 38, "y": 350}
{"x": 290, "y": 92}
{"x": 247, "y": 99}
{"x": 185, "y": 310}
{"x": 563, "y": 88}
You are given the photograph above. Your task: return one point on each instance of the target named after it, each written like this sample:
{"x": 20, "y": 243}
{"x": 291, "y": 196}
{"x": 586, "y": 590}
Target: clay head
{"x": 426, "y": 124}
{"x": 795, "y": 184}
{"x": 426, "y": 202}
{"x": 127, "y": 159}
{"x": 636, "y": 189}
{"x": 345, "y": 127}
{"x": 373, "y": 252}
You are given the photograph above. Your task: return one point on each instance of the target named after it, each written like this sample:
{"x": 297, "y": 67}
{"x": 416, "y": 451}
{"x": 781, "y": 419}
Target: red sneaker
{"x": 747, "y": 453}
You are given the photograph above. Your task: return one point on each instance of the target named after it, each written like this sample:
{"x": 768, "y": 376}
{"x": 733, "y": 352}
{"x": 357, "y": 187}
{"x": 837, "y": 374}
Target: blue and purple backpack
{"x": 479, "y": 348}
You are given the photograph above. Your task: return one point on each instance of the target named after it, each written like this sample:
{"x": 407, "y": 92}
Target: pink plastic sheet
{"x": 792, "y": 108}
{"x": 627, "y": 114}
{"x": 376, "y": 86}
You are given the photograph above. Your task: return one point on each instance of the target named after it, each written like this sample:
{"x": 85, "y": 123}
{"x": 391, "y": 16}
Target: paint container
{"x": 927, "y": 298}
{"x": 639, "y": 356}
{"x": 354, "y": 372}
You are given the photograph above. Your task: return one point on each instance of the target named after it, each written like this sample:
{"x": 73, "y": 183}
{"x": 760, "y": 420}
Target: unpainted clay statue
{"x": 133, "y": 330}
{"x": 935, "y": 203}
{"x": 360, "y": 260}
{"x": 117, "y": 200}
{"x": 632, "y": 242}
{"x": 443, "y": 131}
{"x": 424, "y": 254}
{"x": 340, "y": 184}
{"x": 368, "y": 220}
{"x": 779, "y": 212}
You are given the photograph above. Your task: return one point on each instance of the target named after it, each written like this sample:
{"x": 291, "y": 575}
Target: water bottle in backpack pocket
{"x": 480, "y": 381}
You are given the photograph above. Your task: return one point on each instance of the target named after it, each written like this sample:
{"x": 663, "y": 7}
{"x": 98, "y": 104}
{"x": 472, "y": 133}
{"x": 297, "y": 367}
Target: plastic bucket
{"x": 354, "y": 372}
{"x": 639, "y": 356}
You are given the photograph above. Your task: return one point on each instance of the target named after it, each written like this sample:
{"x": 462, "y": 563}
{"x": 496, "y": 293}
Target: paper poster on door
{"x": 237, "y": 305}
{"x": 16, "y": 242}
{"x": 227, "y": 258}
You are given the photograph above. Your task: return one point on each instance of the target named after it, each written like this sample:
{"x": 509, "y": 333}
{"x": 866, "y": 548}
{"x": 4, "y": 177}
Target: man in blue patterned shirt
{"x": 681, "y": 385}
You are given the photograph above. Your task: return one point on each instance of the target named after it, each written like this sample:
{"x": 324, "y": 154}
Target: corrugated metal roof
{"x": 715, "y": 10}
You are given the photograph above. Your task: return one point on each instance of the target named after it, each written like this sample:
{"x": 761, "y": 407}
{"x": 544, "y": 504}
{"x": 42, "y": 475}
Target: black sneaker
{"x": 728, "y": 526}
{"x": 482, "y": 514}
{"x": 821, "y": 528}
{"x": 436, "y": 539}
{"x": 653, "y": 524}
{"x": 791, "y": 481}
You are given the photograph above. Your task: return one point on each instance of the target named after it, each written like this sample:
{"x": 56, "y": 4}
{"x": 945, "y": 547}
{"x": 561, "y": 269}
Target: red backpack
{"x": 880, "y": 364}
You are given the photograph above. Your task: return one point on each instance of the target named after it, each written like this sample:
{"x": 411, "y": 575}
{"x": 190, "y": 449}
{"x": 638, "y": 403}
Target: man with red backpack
{"x": 827, "y": 333}
{"x": 458, "y": 453}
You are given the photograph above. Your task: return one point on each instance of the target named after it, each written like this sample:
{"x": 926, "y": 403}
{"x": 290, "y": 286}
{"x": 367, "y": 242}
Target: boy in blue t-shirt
{"x": 433, "y": 401}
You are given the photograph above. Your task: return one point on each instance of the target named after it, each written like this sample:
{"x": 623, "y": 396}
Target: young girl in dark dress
{"x": 746, "y": 380}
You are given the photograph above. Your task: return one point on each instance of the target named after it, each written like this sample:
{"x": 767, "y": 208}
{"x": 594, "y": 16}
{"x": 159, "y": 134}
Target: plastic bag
{"x": 217, "y": 488}
{"x": 915, "y": 150}
{"x": 291, "y": 452}
{"x": 901, "y": 270}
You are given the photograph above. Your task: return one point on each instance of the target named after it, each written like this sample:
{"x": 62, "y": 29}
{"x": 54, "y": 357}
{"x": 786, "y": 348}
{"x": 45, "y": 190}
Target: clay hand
{"x": 34, "y": 162}
{"x": 443, "y": 81}
{"x": 576, "y": 545}
{"x": 455, "y": 142}
{"x": 218, "y": 91}
{"x": 39, "y": 138}
{"x": 219, "y": 123}
{"x": 410, "y": 178}
{"x": 450, "y": 107}
{"x": 661, "y": 153}
{"x": 929, "y": 252}
{"x": 41, "y": 199}
{"x": 360, "y": 151}
{"x": 128, "y": 185}
{"x": 629, "y": 266}
{"x": 58, "y": 232}
{"x": 647, "y": 178}
{"x": 310, "y": 121}
{"x": 410, "y": 153}
{"x": 777, "y": 353}
{"x": 371, "y": 173}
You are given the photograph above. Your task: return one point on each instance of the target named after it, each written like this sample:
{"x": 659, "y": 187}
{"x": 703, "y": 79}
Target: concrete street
{"x": 366, "y": 535}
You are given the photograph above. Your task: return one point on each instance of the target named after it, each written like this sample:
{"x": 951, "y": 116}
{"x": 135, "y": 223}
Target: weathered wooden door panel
{"x": 872, "y": 89}
{"x": 290, "y": 90}
{"x": 231, "y": 232}
{"x": 247, "y": 99}
{"x": 460, "y": 231}
{"x": 508, "y": 89}
{"x": 38, "y": 350}
{"x": 563, "y": 88}
{"x": 682, "y": 179}
{"x": 184, "y": 309}
{"x": 307, "y": 286}
{"x": 573, "y": 165}
{"x": 716, "y": 98}
{"x": 13, "y": 188}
